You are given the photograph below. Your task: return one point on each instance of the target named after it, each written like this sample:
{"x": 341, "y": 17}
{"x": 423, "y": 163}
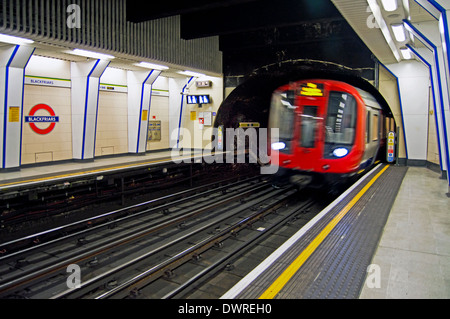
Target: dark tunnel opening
{"x": 250, "y": 101}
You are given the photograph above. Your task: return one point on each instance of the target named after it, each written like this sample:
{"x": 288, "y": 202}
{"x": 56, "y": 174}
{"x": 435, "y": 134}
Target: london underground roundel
{"x": 51, "y": 119}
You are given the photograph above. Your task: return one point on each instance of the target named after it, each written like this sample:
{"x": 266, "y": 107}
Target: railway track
{"x": 156, "y": 252}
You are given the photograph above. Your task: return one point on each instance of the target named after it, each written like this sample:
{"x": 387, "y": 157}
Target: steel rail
{"x": 86, "y": 286}
{"x": 149, "y": 275}
{"x": 225, "y": 260}
{"x": 110, "y": 215}
{"x": 77, "y": 257}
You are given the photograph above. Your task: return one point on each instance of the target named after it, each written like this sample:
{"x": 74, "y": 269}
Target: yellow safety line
{"x": 281, "y": 281}
{"x": 86, "y": 172}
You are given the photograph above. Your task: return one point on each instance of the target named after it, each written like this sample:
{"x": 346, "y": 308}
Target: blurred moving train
{"x": 329, "y": 131}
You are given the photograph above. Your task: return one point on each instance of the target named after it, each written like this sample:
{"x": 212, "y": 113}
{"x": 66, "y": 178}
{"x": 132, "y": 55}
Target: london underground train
{"x": 328, "y": 131}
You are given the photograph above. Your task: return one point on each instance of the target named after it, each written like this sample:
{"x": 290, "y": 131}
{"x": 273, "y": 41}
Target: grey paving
{"x": 413, "y": 257}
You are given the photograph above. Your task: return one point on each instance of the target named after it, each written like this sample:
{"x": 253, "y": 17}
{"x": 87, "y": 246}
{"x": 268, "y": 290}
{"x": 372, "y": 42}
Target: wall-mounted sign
{"x": 154, "y": 131}
{"x": 144, "y": 115}
{"x": 198, "y": 99}
{"x": 207, "y": 118}
{"x": 113, "y": 88}
{"x": 249, "y": 124}
{"x": 14, "y": 114}
{"x": 43, "y": 81}
{"x": 51, "y": 119}
{"x": 391, "y": 147}
{"x": 203, "y": 84}
{"x": 220, "y": 138}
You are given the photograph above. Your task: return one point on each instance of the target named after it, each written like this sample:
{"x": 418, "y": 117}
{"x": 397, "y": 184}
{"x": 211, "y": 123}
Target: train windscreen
{"x": 309, "y": 126}
{"x": 341, "y": 121}
{"x": 282, "y": 116}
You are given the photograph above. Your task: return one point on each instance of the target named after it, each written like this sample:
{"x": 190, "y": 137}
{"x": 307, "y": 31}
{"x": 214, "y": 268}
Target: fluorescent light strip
{"x": 90, "y": 54}
{"x": 399, "y": 32}
{"x": 152, "y": 66}
{"x": 406, "y": 53}
{"x": 14, "y": 40}
{"x": 190, "y": 73}
{"x": 389, "y": 5}
{"x": 375, "y": 8}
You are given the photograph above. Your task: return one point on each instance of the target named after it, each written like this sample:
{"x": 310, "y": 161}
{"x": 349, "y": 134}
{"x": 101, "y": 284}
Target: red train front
{"x": 324, "y": 130}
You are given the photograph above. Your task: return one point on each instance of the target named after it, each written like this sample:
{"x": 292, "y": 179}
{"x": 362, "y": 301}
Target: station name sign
{"x": 41, "y": 119}
{"x": 51, "y": 119}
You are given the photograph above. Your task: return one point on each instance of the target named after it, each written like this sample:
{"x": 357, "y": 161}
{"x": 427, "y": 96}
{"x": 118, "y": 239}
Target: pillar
{"x": 85, "y": 92}
{"x": 13, "y": 60}
{"x": 139, "y": 101}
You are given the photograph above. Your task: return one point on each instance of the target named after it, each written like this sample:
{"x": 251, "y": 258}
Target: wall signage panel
{"x": 37, "y": 80}
{"x": 154, "y": 131}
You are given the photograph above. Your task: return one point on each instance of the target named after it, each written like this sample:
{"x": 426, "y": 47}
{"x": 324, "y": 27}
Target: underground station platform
{"x": 384, "y": 238}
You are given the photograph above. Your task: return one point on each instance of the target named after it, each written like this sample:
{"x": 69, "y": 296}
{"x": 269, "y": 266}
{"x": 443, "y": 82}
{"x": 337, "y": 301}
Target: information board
{"x": 391, "y": 147}
{"x": 154, "y": 131}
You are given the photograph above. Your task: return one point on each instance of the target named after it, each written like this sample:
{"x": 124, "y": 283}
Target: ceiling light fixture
{"x": 406, "y": 53}
{"x": 389, "y": 5}
{"x": 399, "y": 32}
{"x": 190, "y": 73}
{"x": 14, "y": 40}
{"x": 376, "y": 10}
{"x": 90, "y": 54}
{"x": 152, "y": 66}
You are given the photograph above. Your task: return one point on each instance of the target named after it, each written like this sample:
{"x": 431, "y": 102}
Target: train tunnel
{"x": 250, "y": 101}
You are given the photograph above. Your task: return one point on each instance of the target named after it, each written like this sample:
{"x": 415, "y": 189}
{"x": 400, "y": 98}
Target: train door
{"x": 373, "y": 136}
{"x": 309, "y": 123}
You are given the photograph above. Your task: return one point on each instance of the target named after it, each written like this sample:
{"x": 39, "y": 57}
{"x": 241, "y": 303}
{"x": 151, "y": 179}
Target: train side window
{"x": 368, "y": 127}
{"x": 375, "y": 125}
{"x": 385, "y": 128}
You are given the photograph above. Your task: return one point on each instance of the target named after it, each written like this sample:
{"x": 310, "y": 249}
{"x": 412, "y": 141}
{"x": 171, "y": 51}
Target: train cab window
{"x": 282, "y": 116}
{"x": 308, "y": 126}
{"x": 341, "y": 119}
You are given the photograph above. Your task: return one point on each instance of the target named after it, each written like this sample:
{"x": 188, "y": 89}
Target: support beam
{"x": 13, "y": 61}
{"x": 436, "y": 38}
{"x": 85, "y": 93}
{"x": 177, "y": 88}
{"x": 139, "y": 101}
{"x": 413, "y": 84}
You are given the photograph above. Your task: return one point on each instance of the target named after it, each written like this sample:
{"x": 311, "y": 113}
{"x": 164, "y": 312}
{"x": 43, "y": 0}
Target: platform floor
{"x": 392, "y": 241}
{"x": 414, "y": 252}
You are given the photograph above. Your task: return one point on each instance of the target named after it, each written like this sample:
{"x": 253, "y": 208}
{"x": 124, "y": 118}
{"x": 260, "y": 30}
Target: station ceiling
{"x": 254, "y": 33}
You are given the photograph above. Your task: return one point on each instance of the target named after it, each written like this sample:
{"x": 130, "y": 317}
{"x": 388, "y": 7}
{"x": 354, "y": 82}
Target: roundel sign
{"x": 49, "y": 118}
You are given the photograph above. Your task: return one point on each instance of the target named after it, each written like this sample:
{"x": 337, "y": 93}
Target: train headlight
{"x": 278, "y": 146}
{"x": 340, "y": 152}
